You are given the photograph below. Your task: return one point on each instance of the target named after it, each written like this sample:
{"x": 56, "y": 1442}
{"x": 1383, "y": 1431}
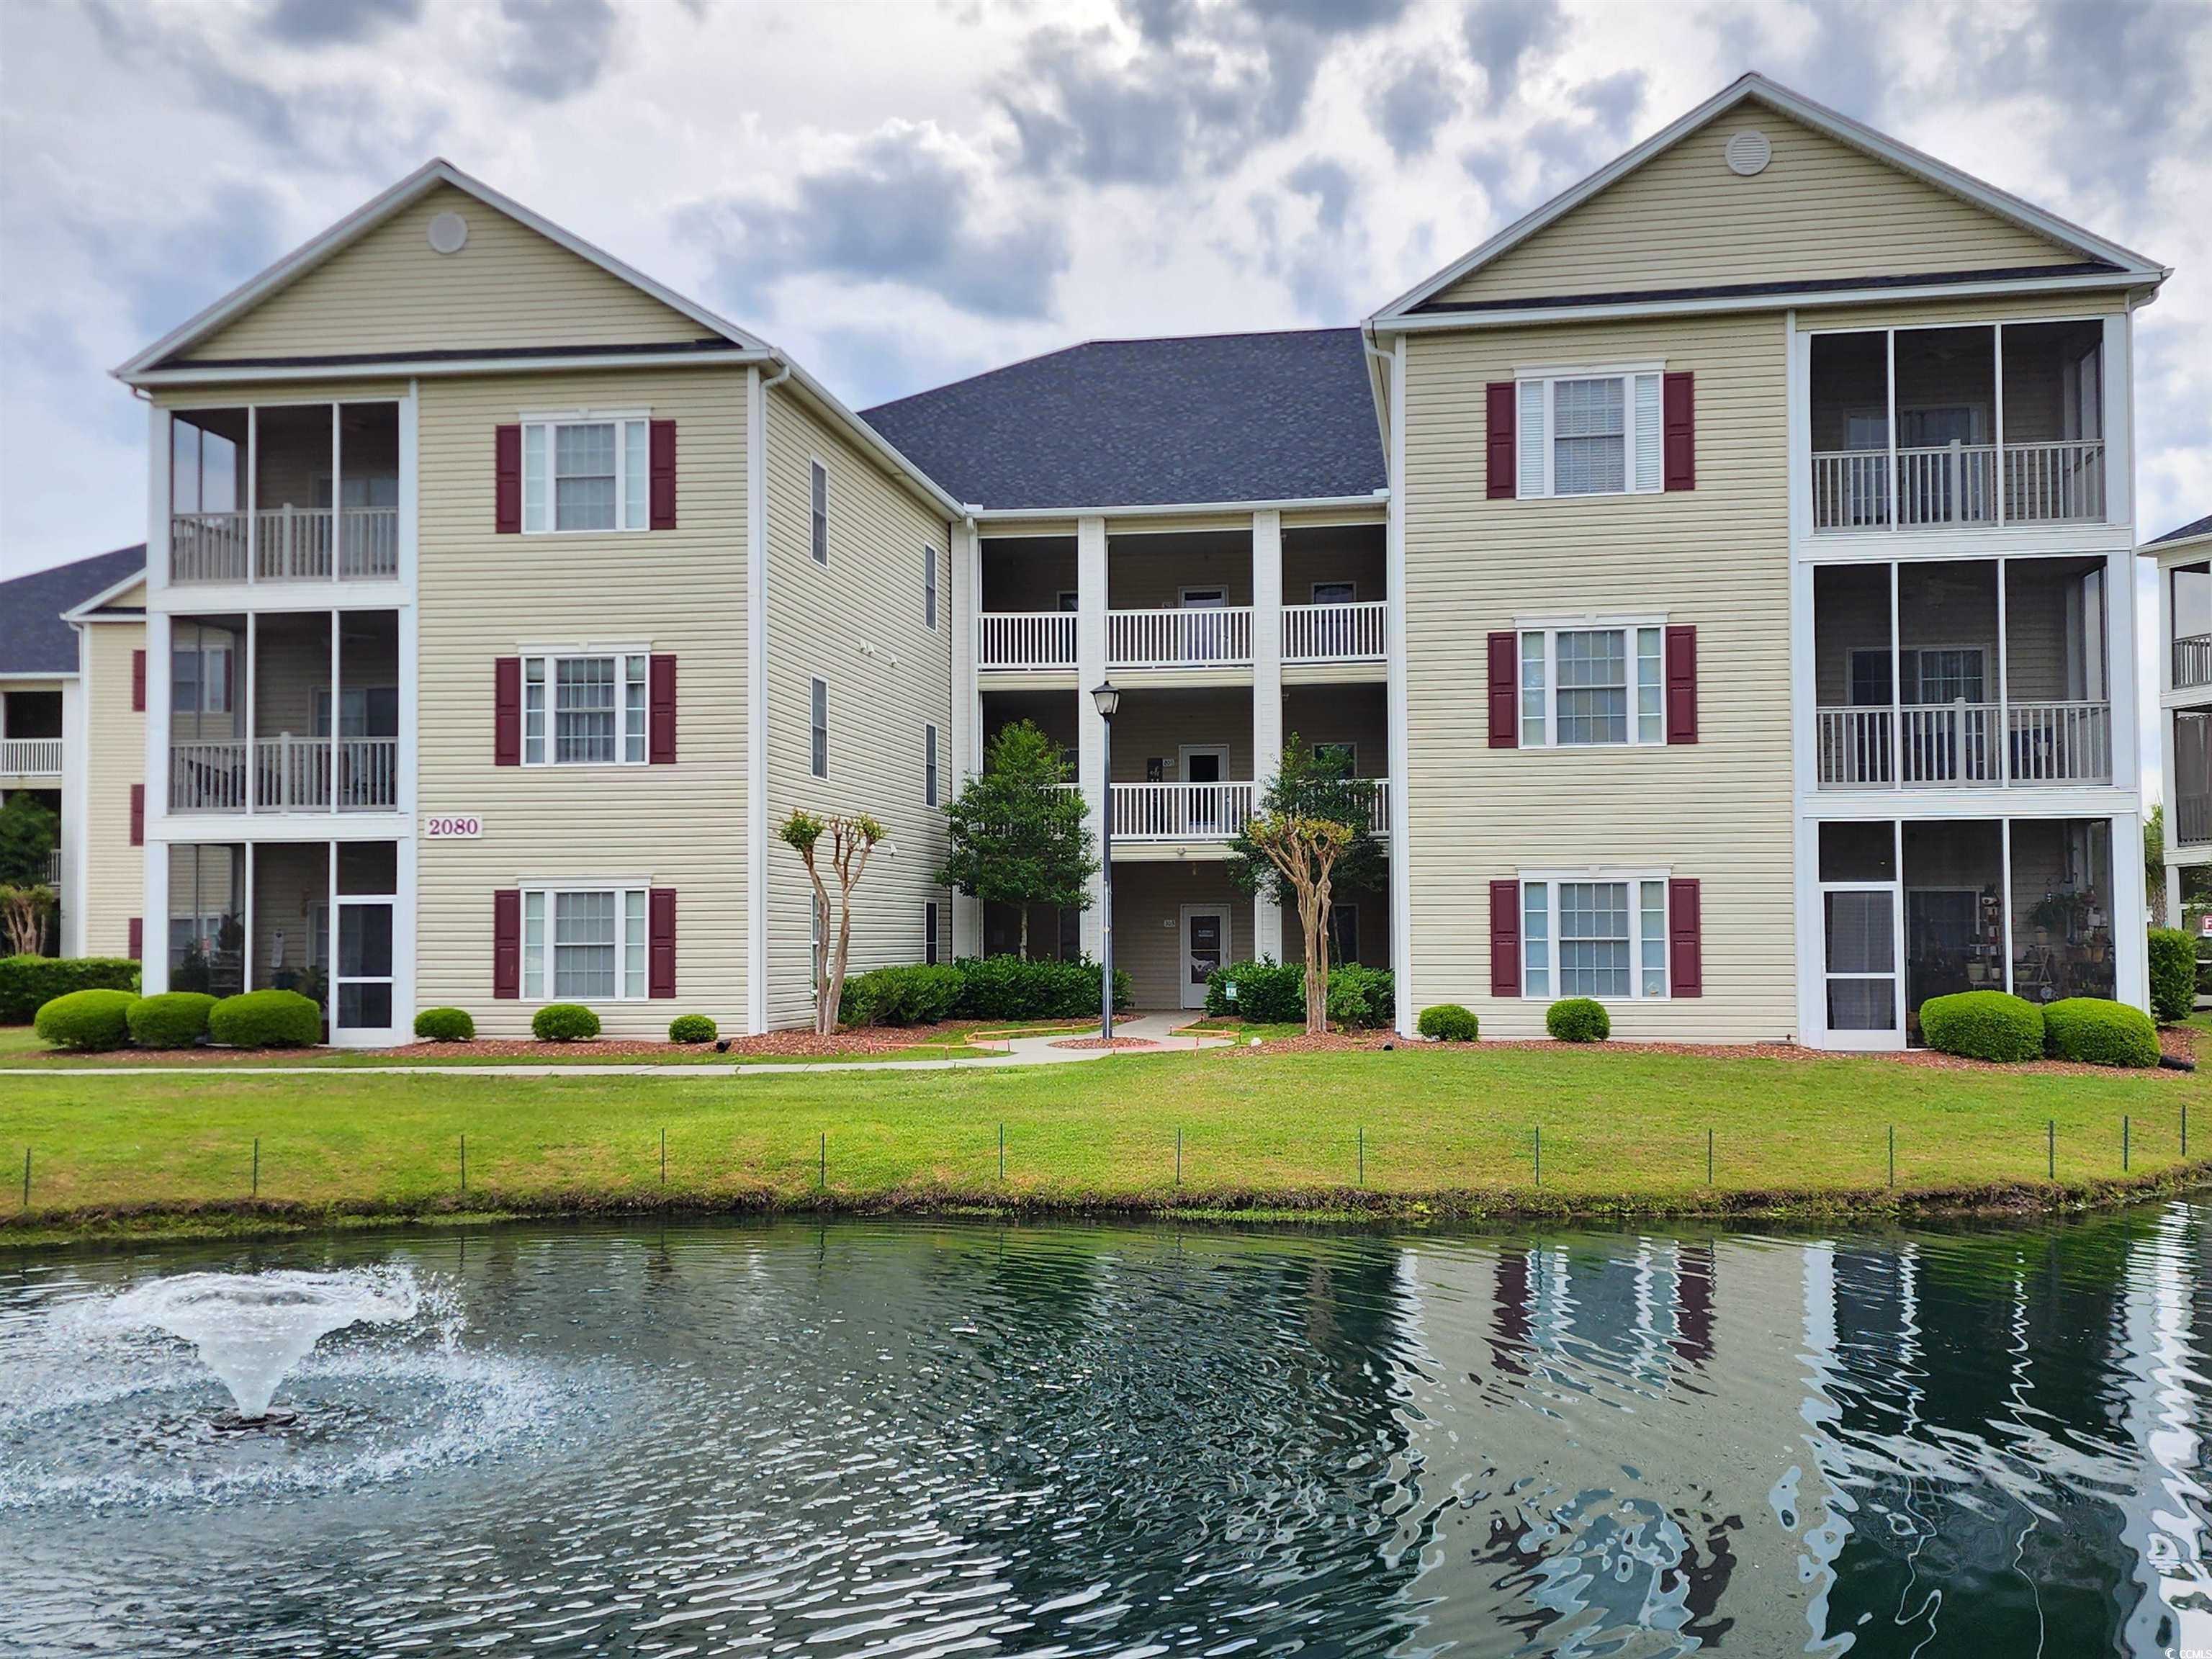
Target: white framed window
{"x": 1595, "y": 933}
{"x": 585, "y": 472}
{"x": 585, "y": 709}
{"x": 930, "y": 788}
{"x": 583, "y": 944}
{"x": 817, "y": 748}
{"x": 1593, "y": 684}
{"x": 817, "y": 511}
{"x": 1589, "y": 431}
{"x": 929, "y": 588}
{"x": 932, "y": 952}
{"x": 200, "y": 680}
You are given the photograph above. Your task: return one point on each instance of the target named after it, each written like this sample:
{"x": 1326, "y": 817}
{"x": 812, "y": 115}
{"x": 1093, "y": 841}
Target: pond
{"x": 864, "y": 1437}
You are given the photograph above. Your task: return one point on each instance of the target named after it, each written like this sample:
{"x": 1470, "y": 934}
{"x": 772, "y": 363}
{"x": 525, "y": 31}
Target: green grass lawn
{"x": 1621, "y": 1128}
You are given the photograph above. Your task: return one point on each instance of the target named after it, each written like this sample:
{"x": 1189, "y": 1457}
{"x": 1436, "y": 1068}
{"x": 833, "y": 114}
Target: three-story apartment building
{"x": 2183, "y": 559}
{"x": 1720, "y": 574}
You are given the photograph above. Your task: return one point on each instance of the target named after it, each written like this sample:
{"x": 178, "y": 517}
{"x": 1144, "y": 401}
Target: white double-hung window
{"x": 1593, "y": 683}
{"x": 583, "y": 944}
{"x": 585, "y": 471}
{"x": 1598, "y": 934}
{"x": 1589, "y": 432}
{"x": 585, "y": 710}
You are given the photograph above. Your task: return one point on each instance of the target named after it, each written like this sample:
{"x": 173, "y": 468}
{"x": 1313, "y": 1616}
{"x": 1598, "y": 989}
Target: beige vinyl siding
{"x": 1158, "y": 724}
{"x": 1717, "y": 557}
{"x": 1820, "y": 209}
{"x": 390, "y": 291}
{"x": 858, "y": 626}
{"x": 1148, "y": 901}
{"x": 289, "y": 879}
{"x": 1143, "y": 576}
{"x": 482, "y": 596}
{"x": 1356, "y": 556}
{"x": 115, "y": 750}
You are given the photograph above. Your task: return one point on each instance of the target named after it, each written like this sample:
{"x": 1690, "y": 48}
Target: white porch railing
{"x": 1180, "y": 811}
{"x": 1962, "y": 744}
{"x": 2192, "y": 660}
{"x": 1196, "y": 636}
{"x": 2050, "y": 483}
{"x": 1379, "y": 817}
{"x": 368, "y": 548}
{"x": 1334, "y": 633}
{"x": 31, "y": 757}
{"x": 288, "y": 544}
{"x": 1024, "y": 639}
{"x": 2192, "y": 818}
{"x": 1958, "y": 483}
{"x": 292, "y": 543}
{"x": 208, "y": 777}
{"x": 290, "y": 774}
{"x": 1949, "y": 484}
{"x": 207, "y": 547}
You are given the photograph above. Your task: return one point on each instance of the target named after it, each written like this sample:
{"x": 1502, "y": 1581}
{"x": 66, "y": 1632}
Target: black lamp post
{"x": 1107, "y": 698}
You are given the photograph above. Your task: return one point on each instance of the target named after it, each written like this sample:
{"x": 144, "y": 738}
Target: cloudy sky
{"x": 903, "y": 194}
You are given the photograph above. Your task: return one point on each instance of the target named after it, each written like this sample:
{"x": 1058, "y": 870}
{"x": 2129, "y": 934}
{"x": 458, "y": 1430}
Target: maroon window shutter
{"x": 507, "y": 712}
{"x": 506, "y": 480}
{"x": 1686, "y": 965}
{"x": 137, "y": 815}
{"x": 1505, "y": 938}
{"x": 137, "y": 950}
{"x": 661, "y": 942}
{"x": 506, "y": 943}
{"x": 1681, "y": 685}
{"x": 1500, "y": 459}
{"x": 1678, "y": 408}
{"x": 1505, "y": 692}
{"x": 137, "y": 681}
{"x": 661, "y": 451}
{"x": 661, "y": 689}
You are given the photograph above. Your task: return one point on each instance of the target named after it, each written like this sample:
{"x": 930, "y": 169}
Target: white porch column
{"x": 2117, "y": 361}
{"x": 76, "y": 797}
{"x": 1268, "y": 926}
{"x": 1089, "y": 670}
{"x": 2130, "y": 913}
{"x": 963, "y": 594}
{"x": 154, "y": 904}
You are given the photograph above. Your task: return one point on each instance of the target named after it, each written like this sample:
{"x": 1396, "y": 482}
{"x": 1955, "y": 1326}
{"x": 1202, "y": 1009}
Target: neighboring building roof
{"x": 1224, "y": 417}
{"x": 2188, "y": 532}
{"x": 33, "y": 638}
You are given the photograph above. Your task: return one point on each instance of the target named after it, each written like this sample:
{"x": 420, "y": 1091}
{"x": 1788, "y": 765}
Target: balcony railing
{"x": 1334, "y": 633}
{"x": 31, "y": 757}
{"x": 1025, "y": 639}
{"x": 2192, "y": 818}
{"x": 1181, "y": 811}
{"x": 1958, "y": 484}
{"x": 284, "y": 544}
{"x": 1197, "y": 636}
{"x": 2192, "y": 660}
{"x": 290, "y": 774}
{"x": 1966, "y": 745}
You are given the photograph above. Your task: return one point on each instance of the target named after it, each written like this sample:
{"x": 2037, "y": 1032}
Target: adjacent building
{"x": 2184, "y": 687}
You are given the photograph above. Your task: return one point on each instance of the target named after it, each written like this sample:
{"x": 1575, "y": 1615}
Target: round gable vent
{"x": 449, "y": 232}
{"x": 1748, "y": 152}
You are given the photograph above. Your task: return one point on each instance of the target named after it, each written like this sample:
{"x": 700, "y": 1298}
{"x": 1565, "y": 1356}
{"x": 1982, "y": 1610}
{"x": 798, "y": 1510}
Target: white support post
{"x": 252, "y": 668}
{"x": 2114, "y": 366}
{"x": 253, "y": 492}
{"x": 2130, "y": 907}
{"x": 2004, "y": 670}
{"x": 963, "y": 594}
{"x": 159, "y": 438}
{"x": 2121, "y": 696}
{"x": 337, "y": 719}
{"x": 337, "y": 508}
{"x": 75, "y": 797}
{"x": 154, "y": 912}
{"x": 1090, "y": 671}
{"x": 1401, "y": 783}
{"x": 1269, "y": 925}
{"x": 1996, "y": 353}
{"x": 154, "y": 921}
{"x": 245, "y": 951}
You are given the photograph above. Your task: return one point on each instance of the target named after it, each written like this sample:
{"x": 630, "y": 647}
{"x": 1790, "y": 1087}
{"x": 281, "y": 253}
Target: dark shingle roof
{"x": 1225, "y": 417}
{"x": 33, "y": 638}
{"x": 2187, "y": 533}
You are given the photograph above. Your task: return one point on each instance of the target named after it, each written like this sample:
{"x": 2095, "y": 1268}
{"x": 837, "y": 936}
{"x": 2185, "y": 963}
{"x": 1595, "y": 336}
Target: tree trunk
{"x": 837, "y": 962}
{"x": 1317, "y": 964}
{"x": 1025, "y": 930}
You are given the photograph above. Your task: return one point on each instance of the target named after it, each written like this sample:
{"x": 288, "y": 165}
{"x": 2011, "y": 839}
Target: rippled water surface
{"x": 908, "y": 1439}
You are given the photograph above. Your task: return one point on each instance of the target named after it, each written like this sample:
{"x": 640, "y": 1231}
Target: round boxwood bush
{"x": 2099, "y": 1033}
{"x": 266, "y": 1019}
{"x": 1448, "y": 1022}
{"x": 692, "y": 1027}
{"x": 90, "y": 1020}
{"x": 1984, "y": 1025}
{"x": 2172, "y": 974}
{"x": 564, "y": 1022}
{"x": 174, "y": 1019}
{"x": 446, "y": 1025}
{"x": 1578, "y": 1019}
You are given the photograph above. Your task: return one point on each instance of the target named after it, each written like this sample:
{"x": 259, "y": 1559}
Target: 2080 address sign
{"x": 452, "y": 826}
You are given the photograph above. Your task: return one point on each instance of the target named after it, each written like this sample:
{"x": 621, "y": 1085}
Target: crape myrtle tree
{"x": 1018, "y": 837}
{"x": 851, "y": 839}
{"x": 1312, "y": 831}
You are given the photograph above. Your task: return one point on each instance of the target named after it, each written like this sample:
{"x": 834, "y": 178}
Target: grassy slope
{"x": 1617, "y": 1126}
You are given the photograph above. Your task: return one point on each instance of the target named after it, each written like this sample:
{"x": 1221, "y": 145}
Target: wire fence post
{"x": 465, "y": 1164}
{"x": 664, "y": 1157}
{"x": 1893, "y": 1154}
{"x": 1002, "y": 1152}
{"x": 2050, "y": 1150}
{"x": 1178, "y": 1180}
{"x": 822, "y": 1169}
{"x": 2123, "y": 1143}
{"x": 257, "y": 1166}
{"x": 1708, "y": 1155}
{"x": 27, "y": 1177}
{"x": 1363, "y": 1155}
{"x": 1539, "y": 1154}
{"x": 2185, "y": 1129}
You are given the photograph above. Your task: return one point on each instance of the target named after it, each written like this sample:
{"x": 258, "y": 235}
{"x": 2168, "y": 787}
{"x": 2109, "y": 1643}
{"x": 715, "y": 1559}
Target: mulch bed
{"x": 799, "y": 1045}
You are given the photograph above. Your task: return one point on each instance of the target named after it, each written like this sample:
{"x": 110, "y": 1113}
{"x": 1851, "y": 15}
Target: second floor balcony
{"x": 1184, "y": 636}
{"x": 284, "y": 493}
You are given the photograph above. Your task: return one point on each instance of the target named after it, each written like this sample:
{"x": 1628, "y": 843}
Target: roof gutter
{"x": 1378, "y": 382}
{"x": 1168, "y": 509}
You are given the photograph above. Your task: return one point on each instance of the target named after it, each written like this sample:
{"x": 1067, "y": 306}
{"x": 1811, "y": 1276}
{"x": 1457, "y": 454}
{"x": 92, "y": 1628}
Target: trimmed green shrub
{"x": 1267, "y": 992}
{"x": 2172, "y": 974}
{"x": 446, "y": 1025}
{"x": 919, "y": 994}
{"x": 692, "y": 1027}
{"x": 90, "y": 1020}
{"x": 174, "y": 1019}
{"x": 1360, "y": 998}
{"x": 2099, "y": 1033}
{"x": 1578, "y": 1019}
{"x": 1983, "y": 1026}
{"x": 28, "y": 983}
{"x": 1448, "y": 1022}
{"x": 564, "y": 1022}
{"x": 1007, "y": 987}
{"x": 266, "y": 1019}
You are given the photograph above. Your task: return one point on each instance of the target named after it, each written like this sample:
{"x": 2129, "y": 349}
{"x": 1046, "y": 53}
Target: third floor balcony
{"x": 284, "y": 493}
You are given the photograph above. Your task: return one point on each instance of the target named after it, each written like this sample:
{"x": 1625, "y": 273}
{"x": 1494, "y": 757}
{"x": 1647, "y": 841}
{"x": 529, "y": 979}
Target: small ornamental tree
{"x": 24, "y": 913}
{"x": 1018, "y": 836}
{"x": 851, "y": 839}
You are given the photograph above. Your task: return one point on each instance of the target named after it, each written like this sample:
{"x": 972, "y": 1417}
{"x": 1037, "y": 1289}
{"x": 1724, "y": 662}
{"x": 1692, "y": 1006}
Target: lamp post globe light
{"x": 1106, "y": 698}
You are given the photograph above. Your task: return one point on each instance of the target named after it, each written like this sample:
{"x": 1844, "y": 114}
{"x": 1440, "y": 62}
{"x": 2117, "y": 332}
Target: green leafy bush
{"x": 1448, "y": 1022}
{"x": 266, "y": 1019}
{"x": 919, "y": 994}
{"x": 2099, "y": 1033}
{"x": 1360, "y": 998}
{"x": 692, "y": 1027}
{"x": 1007, "y": 987}
{"x": 1267, "y": 992}
{"x": 28, "y": 983}
{"x": 1578, "y": 1019}
{"x": 564, "y": 1022}
{"x": 174, "y": 1019}
{"x": 90, "y": 1020}
{"x": 2172, "y": 974}
{"x": 1983, "y": 1026}
{"x": 446, "y": 1025}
